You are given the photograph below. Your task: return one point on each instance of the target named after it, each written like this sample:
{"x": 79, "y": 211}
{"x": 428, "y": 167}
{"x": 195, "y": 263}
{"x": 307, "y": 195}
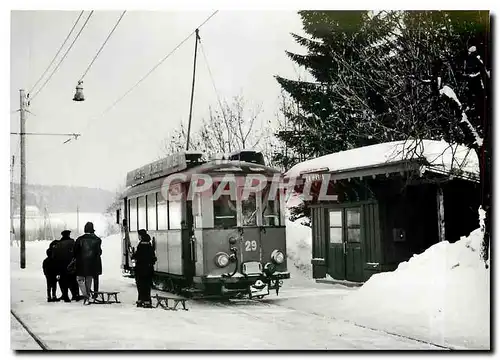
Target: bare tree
{"x": 234, "y": 126}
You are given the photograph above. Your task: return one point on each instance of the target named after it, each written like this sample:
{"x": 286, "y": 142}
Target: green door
{"x": 336, "y": 255}
{"x": 345, "y": 260}
{"x": 352, "y": 240}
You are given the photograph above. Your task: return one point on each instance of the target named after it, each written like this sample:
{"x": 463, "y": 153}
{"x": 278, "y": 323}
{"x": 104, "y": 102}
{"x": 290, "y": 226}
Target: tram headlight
{"x": 278, "y": 257}
{"x": 221, "y": 259}
{"x": 269, "y": 268}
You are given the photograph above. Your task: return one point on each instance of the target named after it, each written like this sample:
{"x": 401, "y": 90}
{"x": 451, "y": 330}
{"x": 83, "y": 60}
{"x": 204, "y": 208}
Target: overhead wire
{"x": 102, "y": 46}
{"x": 64, "y": 56}
{"x": 213, "y": 81}
{"x": 57, "y": 53}
{"x": 90, "y": 122}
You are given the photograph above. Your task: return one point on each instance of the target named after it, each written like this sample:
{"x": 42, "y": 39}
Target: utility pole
{"x": 22, "y": 217}
{"x": 12, "y": 196}
{"x": 197, "y": 37}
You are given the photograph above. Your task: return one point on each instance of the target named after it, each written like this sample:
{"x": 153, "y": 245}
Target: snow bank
{"x": 441, "y": 155}
{"x": 444, "y": 293}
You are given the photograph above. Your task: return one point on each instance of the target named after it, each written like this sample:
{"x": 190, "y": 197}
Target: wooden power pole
{"x": 22, "y": 200}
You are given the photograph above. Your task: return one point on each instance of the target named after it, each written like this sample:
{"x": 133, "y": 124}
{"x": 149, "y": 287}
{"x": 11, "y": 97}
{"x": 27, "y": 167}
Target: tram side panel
{"x": 161, "y": 251}
{"x": 174, "y": 252}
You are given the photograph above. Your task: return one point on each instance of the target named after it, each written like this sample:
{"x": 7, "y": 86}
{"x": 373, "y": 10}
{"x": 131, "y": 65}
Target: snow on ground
{"x": 444, "y": 293}
{"x": 240, "y": 325}
{"x": 441, "y": 155}
{"x": 441, "y": 295}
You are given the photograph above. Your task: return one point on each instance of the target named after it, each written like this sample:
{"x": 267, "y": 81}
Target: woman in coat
{"x": 145, "y": 259}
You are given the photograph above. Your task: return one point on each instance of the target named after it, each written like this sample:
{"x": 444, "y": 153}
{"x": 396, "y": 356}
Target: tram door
{"x": 187, "y": 233}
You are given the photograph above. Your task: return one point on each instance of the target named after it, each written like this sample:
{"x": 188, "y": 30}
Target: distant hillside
{"x": 61, "y": 198}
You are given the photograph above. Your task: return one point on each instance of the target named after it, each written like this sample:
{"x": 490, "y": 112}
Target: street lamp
{"x": 79, "y": 92}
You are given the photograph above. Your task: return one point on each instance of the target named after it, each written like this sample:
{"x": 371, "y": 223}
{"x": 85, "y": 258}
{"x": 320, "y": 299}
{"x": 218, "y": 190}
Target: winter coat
{"x": 87, "y": 252}
{"x": 63, "y": 252}
{"x": 49, "y": 268}
{"x": 144, "y": 258}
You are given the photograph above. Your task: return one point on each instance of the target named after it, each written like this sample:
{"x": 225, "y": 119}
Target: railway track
{"x": 35, "y": 337}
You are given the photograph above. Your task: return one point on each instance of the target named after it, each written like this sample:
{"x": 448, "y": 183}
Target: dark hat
{"x": 65, "y": 232}
{"x": 144, "y": 235}
{"x": 88, "y": 228}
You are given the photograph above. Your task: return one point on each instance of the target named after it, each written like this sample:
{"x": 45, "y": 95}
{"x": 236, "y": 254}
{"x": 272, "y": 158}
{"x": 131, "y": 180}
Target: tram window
{"x": 271, "y": 213}
{"x": 174, "y": 215}
{"x": 198, "y": 220}
{"x": 133, "y": 214}
{"x": 224, "y": 212}
{"x": 249, "y": 210}
{"x": 141, "y": 213}
{"x": 162, "y": 212}
{"x": 151, "y": 200}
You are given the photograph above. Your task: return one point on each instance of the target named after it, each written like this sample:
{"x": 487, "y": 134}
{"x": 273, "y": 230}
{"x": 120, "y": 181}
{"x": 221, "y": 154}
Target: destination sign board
{"x": 163, "y": 167}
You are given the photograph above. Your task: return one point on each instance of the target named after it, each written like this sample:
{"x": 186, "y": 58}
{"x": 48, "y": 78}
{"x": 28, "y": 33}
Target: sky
{"x": 244, "y": 49}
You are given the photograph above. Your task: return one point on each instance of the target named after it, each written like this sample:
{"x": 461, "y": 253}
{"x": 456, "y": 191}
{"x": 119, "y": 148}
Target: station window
{"x": 174, "y": 215}
{"x": 132, "y": 206}
{"x": 162, "y": 212}
{"x": 224, "y": 212}
{"x": 335, "y": 218}
{"x": 151, "y": 202}
{"x": 141, "y": 213}
{"x": 353, "y": 225}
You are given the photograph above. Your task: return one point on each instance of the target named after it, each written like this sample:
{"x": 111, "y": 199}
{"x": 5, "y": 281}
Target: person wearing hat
{"x": 63, "y": 255}
{"x": 87, "y": 253}
{"x": 145, "y": 259}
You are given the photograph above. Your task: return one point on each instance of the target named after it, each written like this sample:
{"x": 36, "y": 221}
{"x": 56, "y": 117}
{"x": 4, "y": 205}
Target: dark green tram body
{"x": 225, "y": 246}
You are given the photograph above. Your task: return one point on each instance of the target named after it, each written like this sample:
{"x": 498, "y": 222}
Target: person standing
{"x": 87, "y": 253}
{"x": 63, "y": 254}
{"x": 145, "y": 259}
{"x": 50, "y": 272}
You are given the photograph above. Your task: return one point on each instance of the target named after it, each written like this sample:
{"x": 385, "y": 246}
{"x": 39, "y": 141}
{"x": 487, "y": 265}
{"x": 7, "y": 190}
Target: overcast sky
{"x": 244, "y": 50}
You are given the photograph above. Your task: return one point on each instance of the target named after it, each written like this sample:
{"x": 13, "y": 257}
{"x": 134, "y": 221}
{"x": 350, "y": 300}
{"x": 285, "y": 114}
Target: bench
{"x": 98, "y": 297}
{"x": 162, "y": 301}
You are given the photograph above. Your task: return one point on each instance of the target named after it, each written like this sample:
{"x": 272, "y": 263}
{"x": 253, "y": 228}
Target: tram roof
{"x": 213, "y": 168}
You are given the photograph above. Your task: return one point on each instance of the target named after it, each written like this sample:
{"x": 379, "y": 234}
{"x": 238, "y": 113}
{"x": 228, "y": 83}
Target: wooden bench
{"x": 162, "y": 301}
{"x": 98, "y": 297}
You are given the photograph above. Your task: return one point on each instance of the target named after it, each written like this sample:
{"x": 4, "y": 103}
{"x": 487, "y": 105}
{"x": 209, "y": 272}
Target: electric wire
{"x": 64, "y": 57}
{"x": 90, "y": 122}
{"x": 57, "y": 53}
{"x": 102, "y": 46}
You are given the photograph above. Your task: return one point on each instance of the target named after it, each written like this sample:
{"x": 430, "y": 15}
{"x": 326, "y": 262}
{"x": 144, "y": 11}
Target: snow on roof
{"x": 440, "y": 155}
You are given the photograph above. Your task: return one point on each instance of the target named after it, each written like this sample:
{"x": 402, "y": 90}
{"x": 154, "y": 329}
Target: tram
{"x": 214, "y": 230}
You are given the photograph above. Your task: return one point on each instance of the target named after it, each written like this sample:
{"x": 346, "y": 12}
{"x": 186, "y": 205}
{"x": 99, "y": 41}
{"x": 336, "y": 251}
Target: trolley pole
{"x": 197, "y": 37}
{"x": 22, "y": 217}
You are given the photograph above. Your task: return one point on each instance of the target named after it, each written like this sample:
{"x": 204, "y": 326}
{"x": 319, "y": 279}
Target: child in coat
{"x": 50, "y": 272}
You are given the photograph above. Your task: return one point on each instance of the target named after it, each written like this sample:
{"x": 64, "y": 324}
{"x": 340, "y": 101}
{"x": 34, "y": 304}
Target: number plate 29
{"x": 250, "y": 245}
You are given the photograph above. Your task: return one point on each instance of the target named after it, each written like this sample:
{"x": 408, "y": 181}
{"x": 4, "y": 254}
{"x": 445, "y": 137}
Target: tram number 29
{"x": 250, "y": 245}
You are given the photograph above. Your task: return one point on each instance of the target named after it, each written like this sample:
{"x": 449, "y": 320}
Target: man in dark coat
{"x": 63, "y": 254}
{"x": 145, "y": 259}
{"x": 87, "y": 252}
